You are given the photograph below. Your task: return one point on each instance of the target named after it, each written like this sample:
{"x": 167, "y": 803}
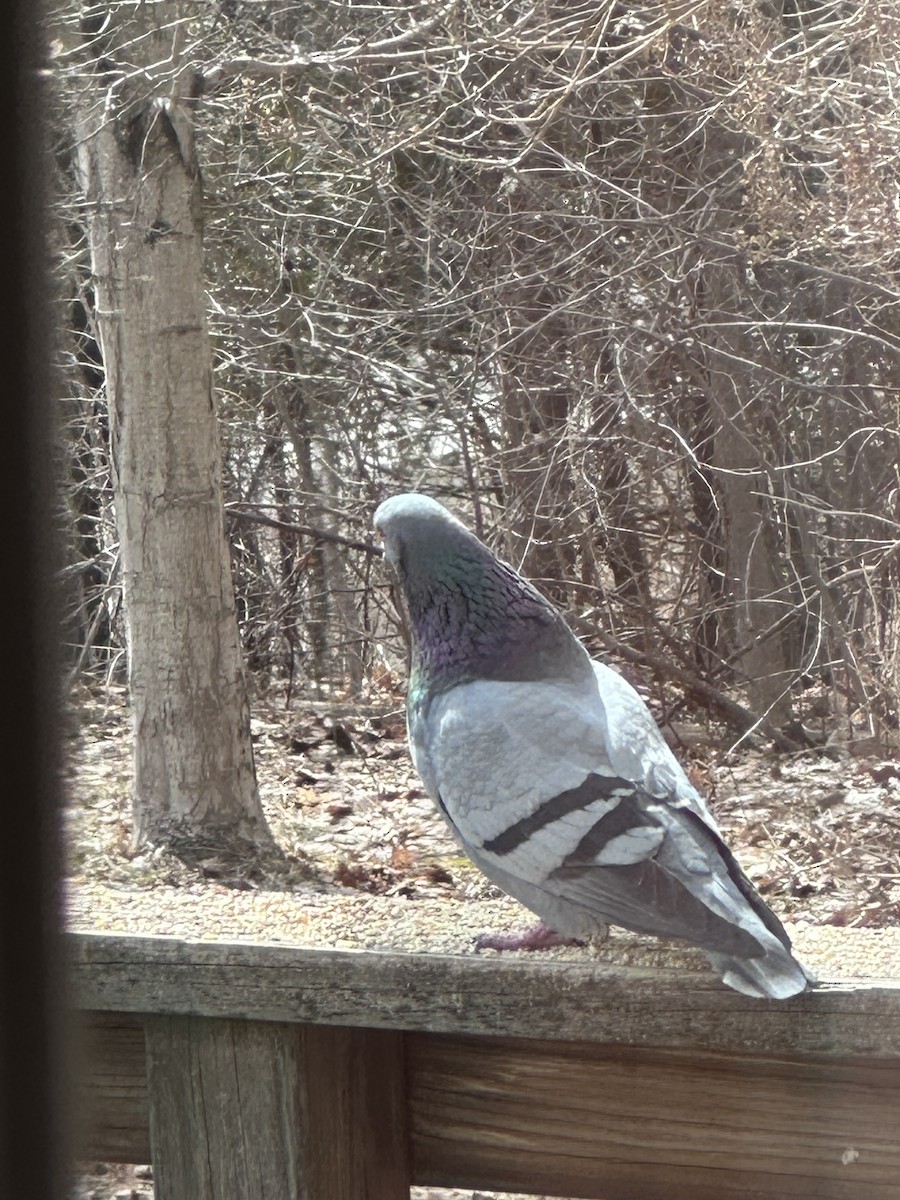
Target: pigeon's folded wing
{"x": 553, "y": 810}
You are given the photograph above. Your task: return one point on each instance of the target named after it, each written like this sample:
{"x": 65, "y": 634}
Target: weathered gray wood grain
{"x": 622, "y": 1123}
{"x": 224, "y": 1108}
{"x": 111, "y": 1118}
{"x": 576, "y": 1119}
{"x": 251, "y": 1110}
{"x": 469, "y": 995}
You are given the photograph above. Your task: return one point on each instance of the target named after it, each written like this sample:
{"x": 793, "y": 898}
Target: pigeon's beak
{"x": 390, "y": 550}
{"x": 391, "y": 553}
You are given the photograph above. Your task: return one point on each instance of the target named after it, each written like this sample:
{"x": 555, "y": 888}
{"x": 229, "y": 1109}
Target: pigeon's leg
{"x": 538, "y": 937}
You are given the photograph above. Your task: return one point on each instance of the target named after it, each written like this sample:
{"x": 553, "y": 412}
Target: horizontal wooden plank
{"x": 609, "y": 1122}
{"x": 470, "y": 995}
{"x": 624, "y": 1123}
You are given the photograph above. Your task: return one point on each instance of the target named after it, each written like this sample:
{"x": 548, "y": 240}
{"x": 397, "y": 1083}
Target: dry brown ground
{"x": 370, "y": 864}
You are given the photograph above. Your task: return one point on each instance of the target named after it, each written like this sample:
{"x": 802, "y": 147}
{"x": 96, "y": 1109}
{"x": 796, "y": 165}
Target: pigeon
{"x": 551, "y": 771}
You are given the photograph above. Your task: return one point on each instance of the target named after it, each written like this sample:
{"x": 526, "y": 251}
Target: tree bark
{"x": 194, "y": 773}
{"x": 759, "y": 597}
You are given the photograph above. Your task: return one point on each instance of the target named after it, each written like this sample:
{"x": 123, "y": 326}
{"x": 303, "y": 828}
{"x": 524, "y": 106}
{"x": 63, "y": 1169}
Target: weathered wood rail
{"x": 253, "y": 1072}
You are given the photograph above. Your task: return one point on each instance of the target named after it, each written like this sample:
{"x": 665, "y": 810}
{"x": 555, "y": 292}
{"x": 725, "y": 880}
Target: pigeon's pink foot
{"x": 538, "y": 937}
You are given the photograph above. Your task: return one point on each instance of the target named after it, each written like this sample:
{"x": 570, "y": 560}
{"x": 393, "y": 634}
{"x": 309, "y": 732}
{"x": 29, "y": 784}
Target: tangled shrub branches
{"x": 618, "y": 278}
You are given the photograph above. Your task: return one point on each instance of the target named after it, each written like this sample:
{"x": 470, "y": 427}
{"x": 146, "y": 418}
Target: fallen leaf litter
{"x": 370, "y": 865}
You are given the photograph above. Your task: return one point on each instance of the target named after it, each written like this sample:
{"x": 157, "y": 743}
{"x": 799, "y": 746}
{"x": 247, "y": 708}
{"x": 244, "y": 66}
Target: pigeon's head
{"x": 416, "y": 529}
{"x": 471, "y": 615}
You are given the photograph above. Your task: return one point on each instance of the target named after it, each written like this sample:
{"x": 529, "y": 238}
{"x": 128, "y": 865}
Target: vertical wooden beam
{"x": 252, "y": 1110}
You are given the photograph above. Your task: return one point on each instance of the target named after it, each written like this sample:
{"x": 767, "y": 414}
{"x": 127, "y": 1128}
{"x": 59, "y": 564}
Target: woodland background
{"x": 618, "y": 282}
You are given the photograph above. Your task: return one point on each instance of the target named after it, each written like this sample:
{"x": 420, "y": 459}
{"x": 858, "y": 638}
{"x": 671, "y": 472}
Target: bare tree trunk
{"x": 618, "y": 522}
{"x": 736, "y": 541}
{"x": 535, "y": 423}
{"x": 194, "y": 773}
{"x": 536, "y": 398}
{"x": 713, "y": 632}
{"x": 760, "y": 601}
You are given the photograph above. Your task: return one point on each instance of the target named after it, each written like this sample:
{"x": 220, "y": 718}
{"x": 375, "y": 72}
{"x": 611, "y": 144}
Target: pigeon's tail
{"x": 772, "y": 972}
{"x": 775, "y": 975}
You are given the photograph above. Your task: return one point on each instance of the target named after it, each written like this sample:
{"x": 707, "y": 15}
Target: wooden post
{"x": 253, "y": 1110}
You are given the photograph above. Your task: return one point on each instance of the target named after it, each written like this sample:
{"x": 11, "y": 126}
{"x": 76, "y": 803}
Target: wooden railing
{"x": 255, "y": 1072}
